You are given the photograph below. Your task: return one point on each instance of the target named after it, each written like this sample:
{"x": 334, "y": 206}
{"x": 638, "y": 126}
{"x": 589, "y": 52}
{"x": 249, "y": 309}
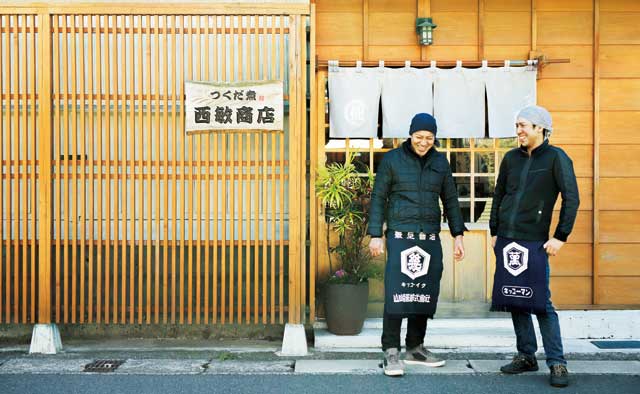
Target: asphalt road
{"x": 334, "y": 384}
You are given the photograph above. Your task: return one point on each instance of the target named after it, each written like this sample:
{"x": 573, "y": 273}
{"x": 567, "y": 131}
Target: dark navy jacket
{"x": 406, "y": 193}
{"x": 527, "y": 190}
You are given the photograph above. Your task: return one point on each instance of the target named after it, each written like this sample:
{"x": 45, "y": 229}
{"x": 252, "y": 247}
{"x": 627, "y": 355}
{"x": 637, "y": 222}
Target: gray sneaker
{"x": 421, "y": 356}
{"x": 392, "y": 365}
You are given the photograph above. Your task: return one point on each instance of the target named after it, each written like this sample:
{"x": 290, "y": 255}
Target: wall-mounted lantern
{"x": 424, "y": 28}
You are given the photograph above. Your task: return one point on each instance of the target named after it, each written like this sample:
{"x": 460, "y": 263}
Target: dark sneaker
{"x": 559, "y": 376}
{"x": 421, "y": 356}
{"x": 392, "y": 365}
{"x": 519, "y": 364}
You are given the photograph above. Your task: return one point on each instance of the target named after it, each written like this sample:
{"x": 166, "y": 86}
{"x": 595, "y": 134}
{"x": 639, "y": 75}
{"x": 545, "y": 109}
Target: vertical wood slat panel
{"x": 189, "y": 196}
{"x": 255, "y": 58}
{"x": 247, "y": 193}
{"x": 73, "y": 187}
{"x": 107, "y": 195}
{"x": 302, "y": 107}
{"x": 130, "y": 159}
{"x": 57, "y": 154}
{"x": 241, "y": 166}
{"x": 24, "y": 173}
{"x": 281, "y": 179}
{"x": 158, "y": 176}
{"x": 5, "y": 102}
{"x": 174, "y": 204}
{"x": 16, "y": 167}
{"x": 91, "y": 153}
{"x": 198, "y": 179}
{"x": 31, "y": 139}
{"x": 223, "y": 191}
{"x": 272, "y": 215}
{"x": 149, "y": 118}
{"x": 103, "y": 293}
{"x": 232, "y": 176}
{"x": 118, "y": 257}
{"x": 98, "y": 180}
{"x": 182, "y": 172}
{"x": 263, "y": 191}
{"x": 207, "y": 218}
{"x": 140, "y": 170}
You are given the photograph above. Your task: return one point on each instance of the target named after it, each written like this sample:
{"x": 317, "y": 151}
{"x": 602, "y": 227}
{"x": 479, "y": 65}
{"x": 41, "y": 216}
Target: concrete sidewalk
{"x": 473, "y": 345}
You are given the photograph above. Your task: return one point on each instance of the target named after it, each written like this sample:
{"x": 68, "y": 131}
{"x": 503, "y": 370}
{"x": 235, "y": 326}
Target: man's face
{"x": 422, "y": 141}
{"x": 529, "y": 136}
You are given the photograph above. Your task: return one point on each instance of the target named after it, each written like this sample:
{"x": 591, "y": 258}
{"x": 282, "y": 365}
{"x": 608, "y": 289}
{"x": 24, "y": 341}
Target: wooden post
{"x": 44, "y": 187}
{"x": 595, "y": 299}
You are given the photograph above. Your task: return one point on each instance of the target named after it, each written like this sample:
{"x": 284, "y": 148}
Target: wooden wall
{"x": 599, "y": 265}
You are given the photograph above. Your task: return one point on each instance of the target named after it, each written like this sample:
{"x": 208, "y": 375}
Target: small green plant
{"x": 346, "y": 193}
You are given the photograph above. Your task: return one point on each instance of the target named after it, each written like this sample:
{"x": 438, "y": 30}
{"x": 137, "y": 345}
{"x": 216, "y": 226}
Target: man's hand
{"x": 458, "y": 248}
{"x": 493, "y": 241}
{"x": 376, "y": 246}
{"x": 552, "y": 246}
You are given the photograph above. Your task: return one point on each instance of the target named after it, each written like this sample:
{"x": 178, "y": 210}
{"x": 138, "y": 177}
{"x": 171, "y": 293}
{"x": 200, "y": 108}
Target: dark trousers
{"x": 416, "y": 328}
{"x": 549, "y": 329}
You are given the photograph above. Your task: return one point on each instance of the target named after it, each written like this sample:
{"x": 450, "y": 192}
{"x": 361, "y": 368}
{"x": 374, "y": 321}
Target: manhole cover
{"x": 617, "y": 344}
{"x": 103, "y": 366}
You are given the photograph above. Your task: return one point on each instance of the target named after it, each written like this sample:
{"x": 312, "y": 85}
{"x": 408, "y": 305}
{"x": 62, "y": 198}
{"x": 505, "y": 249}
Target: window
{"x": 474, "y": 163}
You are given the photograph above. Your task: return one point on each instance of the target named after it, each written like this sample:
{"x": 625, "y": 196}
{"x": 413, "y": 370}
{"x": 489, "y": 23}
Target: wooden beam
{"x": 423, "y": 11}
{"x": 480, "y": 33}
{"x": 107, "y": 8}
{"x": 365, "y": 29}
{"x": 313, "y": 165}
{"x": 45, "y": 186}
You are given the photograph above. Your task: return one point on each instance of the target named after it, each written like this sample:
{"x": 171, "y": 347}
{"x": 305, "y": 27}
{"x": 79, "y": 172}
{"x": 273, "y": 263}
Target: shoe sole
{"x": 433, "y": 365}
{"x": 393, "y": 372}
{"x": 517, "y": 372}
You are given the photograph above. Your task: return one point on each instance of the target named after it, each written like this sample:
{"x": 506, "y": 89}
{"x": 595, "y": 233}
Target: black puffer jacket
{"x": 527, "y": 190}
{"x": 406, "y": 193}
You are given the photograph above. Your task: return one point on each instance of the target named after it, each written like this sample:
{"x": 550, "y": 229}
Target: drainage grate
{"x": 617, "y": 344}
{"x": 103, "y": 365}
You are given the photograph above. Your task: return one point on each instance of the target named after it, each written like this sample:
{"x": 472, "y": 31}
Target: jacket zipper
{"x": 422, "y": 205}
{"x": 519, "y": 194}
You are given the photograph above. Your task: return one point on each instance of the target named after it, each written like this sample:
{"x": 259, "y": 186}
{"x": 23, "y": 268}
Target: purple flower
{"x": 340, "y": 273}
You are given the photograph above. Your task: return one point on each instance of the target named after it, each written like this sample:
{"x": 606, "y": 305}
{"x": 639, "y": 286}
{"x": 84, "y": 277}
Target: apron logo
{"x": 515, "y": 258}
{"x": 414, "y": 262}
{"x": 517, "y": 291}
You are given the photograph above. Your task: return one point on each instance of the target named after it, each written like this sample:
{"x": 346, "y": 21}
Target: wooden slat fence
{"x": 135, "y": 222}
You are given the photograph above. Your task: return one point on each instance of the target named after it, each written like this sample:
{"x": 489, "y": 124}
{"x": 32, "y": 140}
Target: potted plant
{"x": 345, "y": 193}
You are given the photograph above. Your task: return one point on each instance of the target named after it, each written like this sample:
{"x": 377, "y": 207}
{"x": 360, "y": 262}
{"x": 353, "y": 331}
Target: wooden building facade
{"x": 593, "y": 99}
{"x": 111, "y": 215}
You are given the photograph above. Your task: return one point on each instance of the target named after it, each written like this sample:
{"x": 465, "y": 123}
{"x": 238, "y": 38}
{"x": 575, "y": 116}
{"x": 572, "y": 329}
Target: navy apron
{"x": 412, "y": 274}
{"x": 520, "y": 280}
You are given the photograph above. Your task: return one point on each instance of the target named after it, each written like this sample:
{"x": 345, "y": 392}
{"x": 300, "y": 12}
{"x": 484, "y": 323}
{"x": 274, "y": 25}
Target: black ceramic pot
{"x": 346, "y": 307}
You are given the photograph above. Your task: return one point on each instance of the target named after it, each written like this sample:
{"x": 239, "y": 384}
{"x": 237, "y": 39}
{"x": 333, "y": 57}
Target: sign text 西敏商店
{"x": 233, "y": 106}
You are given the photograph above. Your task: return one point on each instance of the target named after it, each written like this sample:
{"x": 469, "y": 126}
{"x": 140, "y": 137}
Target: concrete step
{"x": 489, "y": 332}
{"x": 437, "y": 323}
{"x": 444, "y": 336}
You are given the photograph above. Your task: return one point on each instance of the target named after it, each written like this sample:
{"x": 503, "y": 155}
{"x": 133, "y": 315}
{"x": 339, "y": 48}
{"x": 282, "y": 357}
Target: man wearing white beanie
{"x": 530, "y": 179}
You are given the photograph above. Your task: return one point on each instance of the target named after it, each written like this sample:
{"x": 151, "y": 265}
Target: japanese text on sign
{"x": 233, "y": 106}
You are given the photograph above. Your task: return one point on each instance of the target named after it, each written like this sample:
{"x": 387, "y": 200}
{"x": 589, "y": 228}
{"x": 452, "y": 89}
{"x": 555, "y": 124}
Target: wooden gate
{"x": 126, "y": 219}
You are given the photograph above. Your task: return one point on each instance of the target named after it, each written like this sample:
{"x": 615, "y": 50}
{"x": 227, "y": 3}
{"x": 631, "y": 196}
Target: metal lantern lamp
{"x": 424, "y": 28}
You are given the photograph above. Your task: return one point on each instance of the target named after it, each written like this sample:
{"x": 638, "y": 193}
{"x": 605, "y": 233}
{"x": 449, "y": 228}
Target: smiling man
{"x": 530, "y": 179}
{"x": 410, "y": 182}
